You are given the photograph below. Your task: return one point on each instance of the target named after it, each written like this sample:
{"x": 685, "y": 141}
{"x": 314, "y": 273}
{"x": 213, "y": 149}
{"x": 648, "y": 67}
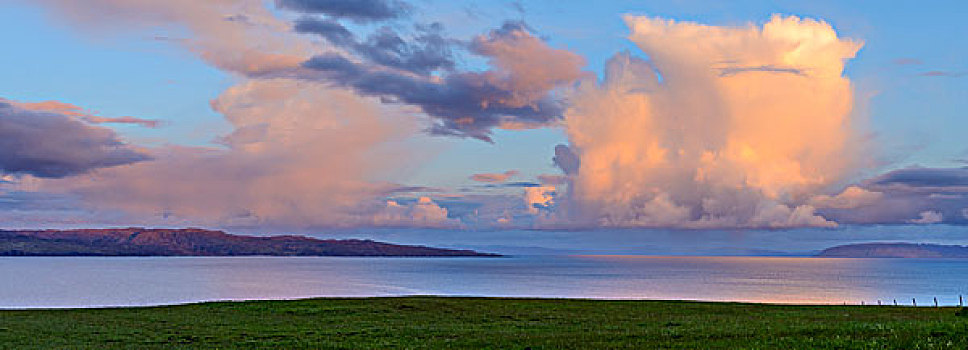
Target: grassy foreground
{"x": 435, "y": 322}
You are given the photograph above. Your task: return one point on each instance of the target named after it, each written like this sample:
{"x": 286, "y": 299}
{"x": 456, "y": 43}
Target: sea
{"x": 83, "y": 282}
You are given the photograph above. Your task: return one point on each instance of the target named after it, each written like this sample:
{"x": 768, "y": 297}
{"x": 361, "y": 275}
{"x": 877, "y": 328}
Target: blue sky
{"x": 909, "y": 78}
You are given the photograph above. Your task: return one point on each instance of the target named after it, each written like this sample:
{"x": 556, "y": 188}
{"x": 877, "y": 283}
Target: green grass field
{"x": 435, "y": 322}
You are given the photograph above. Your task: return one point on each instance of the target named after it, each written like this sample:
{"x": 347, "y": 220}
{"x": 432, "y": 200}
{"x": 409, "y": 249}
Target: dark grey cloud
{"x": 426, "y": 52}
{"x": 329, "y": 29}
{"x": 339, "y": 68}
{"x": 516, "y": 184}
{"x": 507, "y": 29}
{"x": 419, "y": 69}
{"x": 465, "y": 104}
{"x": 356, "y": 10}
{"x": 423, "y": 53}
{"x": 918, "y": 179}
{"x": 566, "y": 160}
{"x": 520, "y": 184}
{"x": 47, "y": 144}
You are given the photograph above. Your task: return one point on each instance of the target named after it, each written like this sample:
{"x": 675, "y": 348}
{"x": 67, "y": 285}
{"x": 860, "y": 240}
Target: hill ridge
{"x": 139, "y": 241}
{"x": 895, "y": 250}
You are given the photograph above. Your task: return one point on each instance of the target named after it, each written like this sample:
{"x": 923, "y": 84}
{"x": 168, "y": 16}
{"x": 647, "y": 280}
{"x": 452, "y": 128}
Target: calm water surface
{"x": 29, "y": 282}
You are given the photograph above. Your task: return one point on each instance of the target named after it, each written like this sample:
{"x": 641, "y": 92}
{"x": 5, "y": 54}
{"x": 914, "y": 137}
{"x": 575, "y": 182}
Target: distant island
{"x": 895, "y": 250}
{"x": 134, "y": 241}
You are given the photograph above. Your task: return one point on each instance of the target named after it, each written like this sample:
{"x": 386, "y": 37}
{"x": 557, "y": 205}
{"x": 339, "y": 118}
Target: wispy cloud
{"x": 494, "y": 177}
{"x": 907, "y": 61}
{"x": 733, "y": 70}
{"x": 71, "y": 110}
{"x": 945, "y": 74}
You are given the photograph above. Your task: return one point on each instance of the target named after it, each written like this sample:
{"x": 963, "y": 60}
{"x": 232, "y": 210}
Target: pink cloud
{"x": 423, "y": 213}
{"x": 308, "y": 165}
{"x": 82, "y": 114}
{"x": 494, "y": 177}
{"x": 851, "y": 197}
{"x": 525, "y": 65}
{"x": 745, "y": 123}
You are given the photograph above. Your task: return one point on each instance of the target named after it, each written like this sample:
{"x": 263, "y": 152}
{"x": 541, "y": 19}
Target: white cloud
{"x": 928, "y": 217}
{"x": 423, "y": 213}
{"x": 851, "y": 197}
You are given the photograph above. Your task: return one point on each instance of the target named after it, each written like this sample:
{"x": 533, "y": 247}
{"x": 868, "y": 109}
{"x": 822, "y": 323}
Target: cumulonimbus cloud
{"x": 722, "y": 126}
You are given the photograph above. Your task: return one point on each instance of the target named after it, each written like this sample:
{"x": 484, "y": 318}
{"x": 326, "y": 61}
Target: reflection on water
{"x": 89, "y": 281}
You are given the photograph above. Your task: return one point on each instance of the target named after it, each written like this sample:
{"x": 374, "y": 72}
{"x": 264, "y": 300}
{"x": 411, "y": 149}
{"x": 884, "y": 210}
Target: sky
{"x": 497, "y": 116}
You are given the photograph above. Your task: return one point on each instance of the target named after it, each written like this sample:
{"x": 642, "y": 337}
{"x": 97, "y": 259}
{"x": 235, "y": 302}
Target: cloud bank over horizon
{"x": 330, "y": 101}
